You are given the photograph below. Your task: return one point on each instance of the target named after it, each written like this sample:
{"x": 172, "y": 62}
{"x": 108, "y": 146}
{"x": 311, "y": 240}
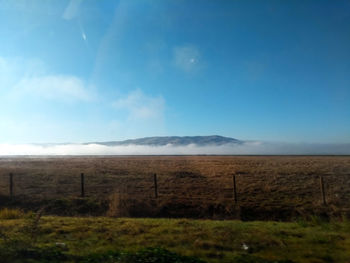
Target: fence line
{"x": 155, "y": 186}
{"x": 11, "y": 184}
{"x": 323, "y": 194}
{"x": 156, "y": 193}
{"x": 234, "y": 188}
{"x": 82, "y": 182}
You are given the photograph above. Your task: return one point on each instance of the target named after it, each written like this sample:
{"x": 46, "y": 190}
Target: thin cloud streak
{"x": 72, "y": 9}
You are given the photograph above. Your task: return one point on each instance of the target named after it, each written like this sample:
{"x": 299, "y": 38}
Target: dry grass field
{"x": 268, "y": 187}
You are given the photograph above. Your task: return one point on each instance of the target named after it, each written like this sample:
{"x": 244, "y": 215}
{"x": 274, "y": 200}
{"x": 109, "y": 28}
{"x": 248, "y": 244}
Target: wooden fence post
{"x": 155, "y": 186}
{"x": 82, "y": 185}
{"x": 11, "y": 185}
{"x": 234, "y": 188}
{"x": 322, "y": 191}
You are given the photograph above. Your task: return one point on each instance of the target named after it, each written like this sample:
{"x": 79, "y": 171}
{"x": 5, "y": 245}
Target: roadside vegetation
{"x": 31, "y": 237}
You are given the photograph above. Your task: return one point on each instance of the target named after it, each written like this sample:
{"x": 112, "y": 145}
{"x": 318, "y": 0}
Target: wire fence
{"x": 239, "y": 188}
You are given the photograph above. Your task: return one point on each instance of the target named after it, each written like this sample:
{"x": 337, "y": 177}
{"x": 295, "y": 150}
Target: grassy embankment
{"x": 101, "y": 239}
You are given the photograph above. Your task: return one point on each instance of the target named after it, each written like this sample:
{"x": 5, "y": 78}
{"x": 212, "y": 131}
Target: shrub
{"x": 7, "y": 213}
{"x": 118, "y": 206}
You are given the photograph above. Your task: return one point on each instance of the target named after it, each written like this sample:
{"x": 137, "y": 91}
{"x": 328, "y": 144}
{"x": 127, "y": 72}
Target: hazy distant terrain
{"x": 176, "y": 141}
{"x": 176, "y": 145}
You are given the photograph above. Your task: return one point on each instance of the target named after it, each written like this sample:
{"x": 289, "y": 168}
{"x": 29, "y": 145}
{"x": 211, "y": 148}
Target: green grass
{"x": 100, "y": 239}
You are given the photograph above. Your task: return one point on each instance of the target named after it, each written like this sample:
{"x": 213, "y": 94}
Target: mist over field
{"x": 245, "y": 148}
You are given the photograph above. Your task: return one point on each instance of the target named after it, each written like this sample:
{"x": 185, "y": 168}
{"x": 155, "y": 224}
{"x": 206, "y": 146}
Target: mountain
{"x": 175, "y": 140}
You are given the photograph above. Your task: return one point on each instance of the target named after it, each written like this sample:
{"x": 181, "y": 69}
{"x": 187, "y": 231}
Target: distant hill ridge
{"x": 174, "y": 140}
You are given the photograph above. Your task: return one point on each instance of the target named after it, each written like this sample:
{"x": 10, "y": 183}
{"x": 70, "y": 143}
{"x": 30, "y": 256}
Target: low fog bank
{"x": 247, "y": 148}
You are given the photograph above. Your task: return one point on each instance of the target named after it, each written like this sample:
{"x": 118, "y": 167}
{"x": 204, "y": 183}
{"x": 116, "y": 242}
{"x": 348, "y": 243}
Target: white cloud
{"x": 21, "y": 78}
{"x": 187, "y": 57}
{"x": 140, "y": 106}
{"x": 57, "y": 87}
{"x": 12, "y": 68}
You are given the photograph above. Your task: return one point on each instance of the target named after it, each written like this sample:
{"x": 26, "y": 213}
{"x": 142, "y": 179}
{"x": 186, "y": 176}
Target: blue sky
{"x": 79, "y": 71}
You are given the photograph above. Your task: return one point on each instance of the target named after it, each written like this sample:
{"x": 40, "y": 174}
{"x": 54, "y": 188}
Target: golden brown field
{"x": 268, "y": 187}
